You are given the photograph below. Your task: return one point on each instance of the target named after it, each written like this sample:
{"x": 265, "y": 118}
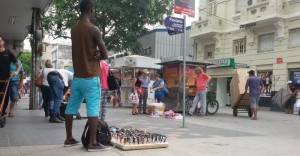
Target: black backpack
{"x": 113, "y": 84}
{"x": 103, "y": 134}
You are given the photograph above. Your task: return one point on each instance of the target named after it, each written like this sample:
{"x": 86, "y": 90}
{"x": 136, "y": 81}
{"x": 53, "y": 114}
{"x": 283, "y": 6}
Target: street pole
{"x": 184, "y": 69}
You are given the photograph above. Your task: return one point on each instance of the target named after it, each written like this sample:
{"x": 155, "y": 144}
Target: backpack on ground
{"x": 103, "y": 134}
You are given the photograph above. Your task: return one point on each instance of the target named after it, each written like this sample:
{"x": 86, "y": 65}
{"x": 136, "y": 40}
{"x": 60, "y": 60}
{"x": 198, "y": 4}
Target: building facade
{"x": 262, "y": 35}
{"x": 157, "y": 43}
{"x": 59, "y": 54}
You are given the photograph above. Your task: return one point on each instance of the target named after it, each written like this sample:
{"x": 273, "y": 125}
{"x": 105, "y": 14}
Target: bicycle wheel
{"x": 188, "y": 105}
{"x": 212, "y": 107}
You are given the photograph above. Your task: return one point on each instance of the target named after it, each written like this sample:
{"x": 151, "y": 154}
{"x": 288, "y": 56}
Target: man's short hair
{"x": 86, "y": 5}
{"x": 2, "y": 37}
{"x": 251, "y": 72}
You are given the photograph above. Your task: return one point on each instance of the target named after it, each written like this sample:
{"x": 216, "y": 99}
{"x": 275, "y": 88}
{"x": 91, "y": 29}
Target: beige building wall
{"x": 269, "y": 16}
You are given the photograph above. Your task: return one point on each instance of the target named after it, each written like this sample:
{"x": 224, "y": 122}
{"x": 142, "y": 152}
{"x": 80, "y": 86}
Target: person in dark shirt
{"x": 6, "y": 58}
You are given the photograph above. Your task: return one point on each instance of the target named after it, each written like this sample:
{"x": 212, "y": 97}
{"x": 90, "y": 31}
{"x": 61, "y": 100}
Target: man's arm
{"x": 17, "y": 71}
{"x": 98, "y": 39}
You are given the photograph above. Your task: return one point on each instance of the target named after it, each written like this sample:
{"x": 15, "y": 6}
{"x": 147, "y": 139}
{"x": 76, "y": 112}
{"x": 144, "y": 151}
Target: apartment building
{"x": 263, "y": 35}
{"x": 59, "y": 54}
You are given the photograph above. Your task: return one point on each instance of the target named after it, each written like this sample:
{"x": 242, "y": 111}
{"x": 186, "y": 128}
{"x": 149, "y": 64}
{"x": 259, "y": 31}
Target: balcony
{"x": 208, "y": 27}
{"x": 263, "y": 12}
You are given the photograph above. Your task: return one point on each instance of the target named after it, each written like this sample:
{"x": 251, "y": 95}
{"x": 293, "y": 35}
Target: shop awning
{"x": 187, "y": 63}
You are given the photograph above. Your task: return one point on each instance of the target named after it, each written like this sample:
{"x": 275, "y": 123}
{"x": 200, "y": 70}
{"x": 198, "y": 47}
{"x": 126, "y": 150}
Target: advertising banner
{"x": 185, "y": 7}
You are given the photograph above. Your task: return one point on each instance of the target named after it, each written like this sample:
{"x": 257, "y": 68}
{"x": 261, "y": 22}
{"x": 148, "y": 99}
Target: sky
{"x": 49, "y": 39}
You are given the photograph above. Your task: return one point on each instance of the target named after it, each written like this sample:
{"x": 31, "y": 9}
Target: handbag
{"x": 139, "y": 91}
{"x": 113, "y": 84}
{"x": 39, "y": 81}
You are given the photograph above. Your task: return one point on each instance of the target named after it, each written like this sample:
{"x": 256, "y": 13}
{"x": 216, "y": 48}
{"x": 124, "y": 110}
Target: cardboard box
{"x": 237, "y": 88}
{"x": 160, "y": 107}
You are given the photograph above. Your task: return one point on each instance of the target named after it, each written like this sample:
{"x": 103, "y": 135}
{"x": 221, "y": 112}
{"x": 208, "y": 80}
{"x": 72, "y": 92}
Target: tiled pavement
{"x": 29, "y": 133}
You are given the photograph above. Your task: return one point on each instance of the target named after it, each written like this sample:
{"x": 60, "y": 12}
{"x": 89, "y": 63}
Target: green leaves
{"x": 120, "y": 21}
{"x": 25, "y": 59}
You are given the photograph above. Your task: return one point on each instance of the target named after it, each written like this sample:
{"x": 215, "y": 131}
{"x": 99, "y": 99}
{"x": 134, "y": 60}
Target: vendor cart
{"x": 173, "y": 77}
{"x": 239, "y": 99}
{"x": 128, "y": 67}
{"x": 242, "y": 105}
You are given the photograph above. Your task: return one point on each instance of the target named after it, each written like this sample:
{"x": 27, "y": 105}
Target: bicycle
{"x": 212, "y": 105}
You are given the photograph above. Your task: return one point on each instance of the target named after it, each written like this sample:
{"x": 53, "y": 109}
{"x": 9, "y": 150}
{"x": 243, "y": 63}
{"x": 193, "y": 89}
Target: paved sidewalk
{"x": 275, "y": 133}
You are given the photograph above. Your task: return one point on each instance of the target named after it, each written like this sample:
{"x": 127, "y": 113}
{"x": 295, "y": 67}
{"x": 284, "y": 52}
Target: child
{"x": 134, "y": 99}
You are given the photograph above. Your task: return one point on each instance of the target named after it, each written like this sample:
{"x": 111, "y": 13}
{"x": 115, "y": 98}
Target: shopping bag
{"x": 134, "y": 98}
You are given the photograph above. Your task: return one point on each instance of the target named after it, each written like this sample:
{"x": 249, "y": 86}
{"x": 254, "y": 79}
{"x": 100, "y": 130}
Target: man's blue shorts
{"x": 88, "y": 89}
{"x": 14, "y": 91}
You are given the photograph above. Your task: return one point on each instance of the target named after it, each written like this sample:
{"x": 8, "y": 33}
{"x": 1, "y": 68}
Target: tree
{"x": 120, "y": 21}
{"x": 25, "y": 59}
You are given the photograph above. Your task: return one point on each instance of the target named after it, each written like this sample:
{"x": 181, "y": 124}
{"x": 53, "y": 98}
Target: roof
{"x": 187, "y": 62}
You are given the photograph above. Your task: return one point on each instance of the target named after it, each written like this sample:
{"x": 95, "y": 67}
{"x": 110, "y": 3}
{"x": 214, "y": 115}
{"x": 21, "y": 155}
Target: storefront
{"x": 221, "y": 73}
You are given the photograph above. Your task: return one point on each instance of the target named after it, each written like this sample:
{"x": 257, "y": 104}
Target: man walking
{"x": 201, "y": 81}
{"x": 256, "y": 87}
{"x": 86, "y": 37}
{"x": 15, "y": 84}
{"x": 143, "y": 97}
{"x": 6, "y": 58}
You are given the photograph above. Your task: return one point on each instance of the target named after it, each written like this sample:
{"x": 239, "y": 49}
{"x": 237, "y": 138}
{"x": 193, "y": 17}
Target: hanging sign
{"x": 174, "y": 25}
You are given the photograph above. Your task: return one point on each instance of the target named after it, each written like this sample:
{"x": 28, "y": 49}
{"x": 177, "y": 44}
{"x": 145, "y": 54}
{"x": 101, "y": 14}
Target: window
{"x": 239, "y": 4}
{"x": 266, "y": 43}
{"x": 239, "y": 46}
{"x": 212, "y": 8}
{"x": 209, "y": 51}
{"x": 294, "y": 38}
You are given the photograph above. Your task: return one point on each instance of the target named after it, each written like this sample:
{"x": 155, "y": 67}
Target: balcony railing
{"x": 211, "y": 25}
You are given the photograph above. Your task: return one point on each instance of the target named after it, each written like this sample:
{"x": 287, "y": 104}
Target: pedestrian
{"x": 86, "y": 38}
{"x": 136, "y": 85}
{"x": 104, "y": 88}
{"x": 159, "y": 87}
{"x": 15, "y": 84}
{"x": 58, "y": 80}
{"x": 144, "y": 96}
{"x": 40, "y": 100}
{"x": 256, "y": 87}
{"x": 201, "y": 82}
{"x": 6, "y": 58}
{"x": 45, "y": 88}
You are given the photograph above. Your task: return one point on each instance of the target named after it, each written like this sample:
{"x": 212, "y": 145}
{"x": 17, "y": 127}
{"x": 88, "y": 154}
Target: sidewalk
{"x": 29, "y": 133}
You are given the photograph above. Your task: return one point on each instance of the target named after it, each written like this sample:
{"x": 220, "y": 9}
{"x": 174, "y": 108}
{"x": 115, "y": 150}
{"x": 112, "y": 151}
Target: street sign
{"x": 279, "y": 60}
{"x": 174, "y": 25}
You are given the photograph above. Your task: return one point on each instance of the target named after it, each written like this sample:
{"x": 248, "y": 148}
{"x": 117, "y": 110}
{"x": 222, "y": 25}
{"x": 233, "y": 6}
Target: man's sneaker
{"x": 53, "y": 119}
{"x": 71, "y": 142}
{"x": 98, "y": 147}
{"x": 60, "y": 118}
{"x": 188, "y": 114}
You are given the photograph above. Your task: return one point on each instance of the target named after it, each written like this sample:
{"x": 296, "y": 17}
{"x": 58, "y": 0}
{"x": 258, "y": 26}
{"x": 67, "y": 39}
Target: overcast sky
{"x": 49, "y": 39}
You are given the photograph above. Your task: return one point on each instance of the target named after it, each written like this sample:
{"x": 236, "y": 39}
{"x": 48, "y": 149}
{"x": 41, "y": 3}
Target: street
{"x": 274, "y": 133}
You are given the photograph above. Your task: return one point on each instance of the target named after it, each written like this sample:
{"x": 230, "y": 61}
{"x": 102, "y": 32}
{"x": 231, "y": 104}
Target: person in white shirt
{"x": 58, "y": 80}
{"x": 46, "y": 91}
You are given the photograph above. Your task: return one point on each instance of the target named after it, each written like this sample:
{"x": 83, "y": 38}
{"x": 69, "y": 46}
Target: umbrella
{"x": 282, "y": 96}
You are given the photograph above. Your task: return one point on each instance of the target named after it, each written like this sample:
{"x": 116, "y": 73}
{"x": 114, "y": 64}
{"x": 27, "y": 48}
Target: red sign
{"x": 279, "y": 60}
{"x": 185, "y": 7}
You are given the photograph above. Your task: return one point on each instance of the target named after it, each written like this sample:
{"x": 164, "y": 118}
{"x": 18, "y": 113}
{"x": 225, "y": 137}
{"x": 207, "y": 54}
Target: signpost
{"x": 174, "y": 25}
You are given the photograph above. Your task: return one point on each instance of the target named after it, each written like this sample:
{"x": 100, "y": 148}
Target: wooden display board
{"x": 127, "y": 147}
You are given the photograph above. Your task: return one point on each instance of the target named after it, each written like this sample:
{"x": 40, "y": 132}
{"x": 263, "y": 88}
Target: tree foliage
{"x": 25, "y": 59}
{"x": 120, "y": 21}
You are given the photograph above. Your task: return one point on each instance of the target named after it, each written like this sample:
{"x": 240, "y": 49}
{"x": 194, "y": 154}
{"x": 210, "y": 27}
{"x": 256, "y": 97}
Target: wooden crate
{"x": 127, "y": 147}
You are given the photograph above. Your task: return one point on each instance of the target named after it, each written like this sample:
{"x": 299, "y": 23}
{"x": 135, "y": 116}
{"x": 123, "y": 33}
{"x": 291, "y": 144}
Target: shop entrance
{"x": 221, "y": 88}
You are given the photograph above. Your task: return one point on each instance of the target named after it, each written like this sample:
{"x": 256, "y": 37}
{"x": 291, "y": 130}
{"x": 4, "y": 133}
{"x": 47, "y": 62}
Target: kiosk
{"x": 129, "y": 65}
{"x": 173, "y": 77}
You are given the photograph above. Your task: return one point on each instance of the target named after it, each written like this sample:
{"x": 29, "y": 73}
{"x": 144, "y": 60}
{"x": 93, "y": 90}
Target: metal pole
{"x": 184, "y": 69}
